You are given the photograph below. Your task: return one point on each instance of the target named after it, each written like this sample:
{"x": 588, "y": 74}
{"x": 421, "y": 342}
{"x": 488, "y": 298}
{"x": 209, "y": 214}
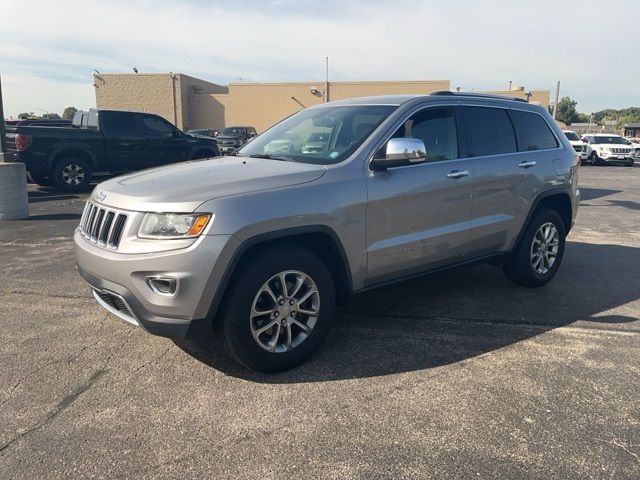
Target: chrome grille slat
{"x": 102, "y": 226}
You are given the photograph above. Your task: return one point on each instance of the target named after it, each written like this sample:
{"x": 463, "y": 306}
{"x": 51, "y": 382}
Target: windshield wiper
{"x": 271, "y": 157}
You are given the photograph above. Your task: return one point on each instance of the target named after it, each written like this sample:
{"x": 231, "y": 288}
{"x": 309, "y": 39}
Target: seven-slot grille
{"x": 621, "y": 150}
{"x": 102, "y": 226}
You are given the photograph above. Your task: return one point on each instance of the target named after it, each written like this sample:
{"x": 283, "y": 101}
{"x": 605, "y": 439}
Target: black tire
{"x": 234, "y": 325}
{"x": 629, "y": 163}
{"x": 72, "y": 174}
{"x": 519, "y": 268}
{"x": 595, "y": 159}
{"x": 583, "y": 161}
{"x": 41, "y": 180}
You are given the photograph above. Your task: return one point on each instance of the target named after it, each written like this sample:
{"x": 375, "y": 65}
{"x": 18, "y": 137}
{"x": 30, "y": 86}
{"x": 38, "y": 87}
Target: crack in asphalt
{"x": 64, "y": 404}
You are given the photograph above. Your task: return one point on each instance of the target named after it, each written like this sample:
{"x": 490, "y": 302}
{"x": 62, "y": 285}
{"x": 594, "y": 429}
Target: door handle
{"x": 457, "y": 174}
{"x": 527, "y": 164}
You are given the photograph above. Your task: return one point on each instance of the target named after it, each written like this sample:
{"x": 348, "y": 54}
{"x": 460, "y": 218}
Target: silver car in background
{"x": 259, "y": 247}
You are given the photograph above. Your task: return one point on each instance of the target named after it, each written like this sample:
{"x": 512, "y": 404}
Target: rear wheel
{"x": 72, "y": 174}
{"x": 538, "y": 256}
{"x": 277, "y": 309}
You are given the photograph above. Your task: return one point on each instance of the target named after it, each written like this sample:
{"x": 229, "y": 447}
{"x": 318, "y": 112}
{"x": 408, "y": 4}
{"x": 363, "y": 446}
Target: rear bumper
{"x": 119, "y": 283}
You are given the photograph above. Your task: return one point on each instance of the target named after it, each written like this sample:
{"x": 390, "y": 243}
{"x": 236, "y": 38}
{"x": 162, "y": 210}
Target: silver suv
{"x": 259, "y": 247}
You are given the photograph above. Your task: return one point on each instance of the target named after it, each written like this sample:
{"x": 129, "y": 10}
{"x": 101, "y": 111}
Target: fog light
{"x": 167, "y": 286}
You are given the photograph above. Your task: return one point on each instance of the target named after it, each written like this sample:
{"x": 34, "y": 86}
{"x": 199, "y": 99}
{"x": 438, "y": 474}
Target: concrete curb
{"x": 14, "y": 201}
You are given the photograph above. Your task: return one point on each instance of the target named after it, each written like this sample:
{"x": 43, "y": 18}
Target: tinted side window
{"x": 489, "y": 131}
{"x": 153, "y": 126}
{"x": 120, "y": 123}
{"x": 532, "y": 131}
{"x": 84, "y": 119}
{"x": 436, "y": 127}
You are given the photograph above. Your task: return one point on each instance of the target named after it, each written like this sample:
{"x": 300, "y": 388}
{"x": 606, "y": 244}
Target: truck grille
{"x": 577, "y": 148}
{"x": 621, "y": 150}
{"x": 102, "y": 226}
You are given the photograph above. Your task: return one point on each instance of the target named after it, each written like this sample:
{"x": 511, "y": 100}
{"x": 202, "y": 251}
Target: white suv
{"x": 578, "y": 145}
{"x": 604, "y": 147}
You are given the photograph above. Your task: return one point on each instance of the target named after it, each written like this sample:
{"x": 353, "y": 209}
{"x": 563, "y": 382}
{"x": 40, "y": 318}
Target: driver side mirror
{"x": 401, "y": 152}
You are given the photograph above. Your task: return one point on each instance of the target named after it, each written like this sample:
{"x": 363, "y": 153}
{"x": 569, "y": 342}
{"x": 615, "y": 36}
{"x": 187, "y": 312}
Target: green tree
{"x": 26, "y": 116}
{"x": 567, "y": 111}
{"x": 69, "y": 112}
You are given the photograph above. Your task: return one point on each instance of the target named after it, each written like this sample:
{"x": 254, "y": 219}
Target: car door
{"x": 125, "y": 146}
{"x": 418, "y": 216}
{"x": 511, "y": 152}
{"x": 166, "y": 144}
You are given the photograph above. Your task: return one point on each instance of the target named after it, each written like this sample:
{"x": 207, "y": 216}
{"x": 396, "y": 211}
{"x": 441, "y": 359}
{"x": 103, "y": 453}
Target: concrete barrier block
{"x": 14, "y": 200}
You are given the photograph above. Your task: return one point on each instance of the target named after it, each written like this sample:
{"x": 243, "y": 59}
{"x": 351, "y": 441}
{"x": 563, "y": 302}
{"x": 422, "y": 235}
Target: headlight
{"x": 173, "y": 225}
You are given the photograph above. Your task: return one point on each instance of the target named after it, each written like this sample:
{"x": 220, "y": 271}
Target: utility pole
{"x": 510, "y": 82}
{"x": 555, "y": 105}
{"x": 326, "y": 86}
{"x": 3, "y": 135}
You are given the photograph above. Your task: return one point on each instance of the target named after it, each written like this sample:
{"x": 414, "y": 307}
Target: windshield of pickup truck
{"x": 336, "y": 132}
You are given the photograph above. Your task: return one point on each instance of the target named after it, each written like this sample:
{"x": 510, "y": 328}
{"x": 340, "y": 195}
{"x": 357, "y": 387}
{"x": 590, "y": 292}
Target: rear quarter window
{"x": 532, "y": 131}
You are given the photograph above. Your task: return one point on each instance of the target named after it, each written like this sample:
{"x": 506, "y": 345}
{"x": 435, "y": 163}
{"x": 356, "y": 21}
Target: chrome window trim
{"x": 458, "y": 103}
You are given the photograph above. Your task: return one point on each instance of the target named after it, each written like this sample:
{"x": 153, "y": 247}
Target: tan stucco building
{"x": 191, "y": 103}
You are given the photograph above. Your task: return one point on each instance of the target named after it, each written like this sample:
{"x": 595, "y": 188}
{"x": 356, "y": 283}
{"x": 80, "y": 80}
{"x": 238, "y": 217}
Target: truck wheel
{"x": 72, "y": 174}
{"x": 278, "y": 308}
{"x": 629, "y": 163}
{"x": 40, "y": 179}
{"x": 538, "y": 256}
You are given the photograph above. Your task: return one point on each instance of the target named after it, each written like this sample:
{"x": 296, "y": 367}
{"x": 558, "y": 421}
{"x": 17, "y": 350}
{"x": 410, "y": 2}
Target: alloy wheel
{"x": 284, "y": 311}
{"x": 544, "y": 248}
{"x": 73, "y": 174}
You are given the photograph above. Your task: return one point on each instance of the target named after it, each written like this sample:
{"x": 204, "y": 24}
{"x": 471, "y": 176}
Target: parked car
{"x": 635, "y": 143}
{"x": 607, "y": 147}
{"x": 259, "y": 248}
{"x": 104, "y": 141}
{"x": 316, "y": 142}
{"x": 578, "y": 145}
{"x": 202, "y": 132}
{"x": 232, "y": 138}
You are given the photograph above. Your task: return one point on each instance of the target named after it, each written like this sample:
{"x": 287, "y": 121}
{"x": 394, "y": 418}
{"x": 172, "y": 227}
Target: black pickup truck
{"x": 105, "y": 141}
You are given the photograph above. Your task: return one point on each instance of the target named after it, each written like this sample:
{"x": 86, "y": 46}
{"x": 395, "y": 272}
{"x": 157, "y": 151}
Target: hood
{"x": 577, "y": 142}
{"x": 229, "y": 137}
{"x": 183, "y": 186}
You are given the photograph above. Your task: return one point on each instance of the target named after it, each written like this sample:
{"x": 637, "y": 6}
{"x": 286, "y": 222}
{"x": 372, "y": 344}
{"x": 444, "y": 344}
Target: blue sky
{"x": 48, "y": 53}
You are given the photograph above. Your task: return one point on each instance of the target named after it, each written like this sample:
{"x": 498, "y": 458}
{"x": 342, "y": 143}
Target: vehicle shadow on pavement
{"x": 452, "y": 316}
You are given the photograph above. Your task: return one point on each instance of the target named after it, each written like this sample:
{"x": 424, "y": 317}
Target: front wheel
{"x": 72, "y": 174}
{"x": 629, "y": 163}
{"x": 538, "y": 256}
{"x": 595, "y": 159}
{"x": 277, "y": 309}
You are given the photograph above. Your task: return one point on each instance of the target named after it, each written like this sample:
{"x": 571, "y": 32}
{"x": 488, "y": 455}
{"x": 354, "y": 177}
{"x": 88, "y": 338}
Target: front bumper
{"x": 119, "y": 282}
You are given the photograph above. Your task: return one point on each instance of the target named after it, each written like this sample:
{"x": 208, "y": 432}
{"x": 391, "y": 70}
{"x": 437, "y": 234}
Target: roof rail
{"x": 478, "y": 95}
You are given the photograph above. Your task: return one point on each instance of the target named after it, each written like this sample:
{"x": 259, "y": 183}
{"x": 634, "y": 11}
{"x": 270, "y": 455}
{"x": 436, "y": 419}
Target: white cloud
{"x": 475, "y": 44}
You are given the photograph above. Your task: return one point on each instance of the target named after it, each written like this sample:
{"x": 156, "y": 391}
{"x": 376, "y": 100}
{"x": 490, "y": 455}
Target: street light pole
{"x": 3, "y": 135}
{"x": 555, "y": 105}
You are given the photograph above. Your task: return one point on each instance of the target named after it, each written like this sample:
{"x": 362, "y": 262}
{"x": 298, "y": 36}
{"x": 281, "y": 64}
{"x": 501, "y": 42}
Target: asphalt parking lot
{"x": 458, "y": 375}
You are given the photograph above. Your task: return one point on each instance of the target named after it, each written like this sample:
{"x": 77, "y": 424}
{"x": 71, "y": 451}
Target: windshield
{"x": 614, "y": 139}
{"x": 573, "y": 136}
{"x": 233, "y": 131}
{"x": 336, "y": 132}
